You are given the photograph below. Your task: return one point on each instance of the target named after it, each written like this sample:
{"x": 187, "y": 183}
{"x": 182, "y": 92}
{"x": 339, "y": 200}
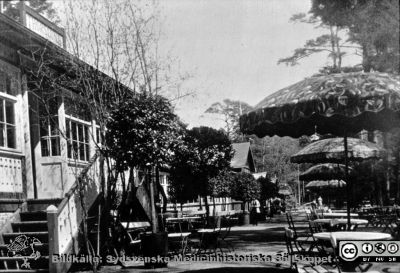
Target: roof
{"x": 258, "y": 175}
{"x": 27, "y": 43}
{"x": 243, "y": 157}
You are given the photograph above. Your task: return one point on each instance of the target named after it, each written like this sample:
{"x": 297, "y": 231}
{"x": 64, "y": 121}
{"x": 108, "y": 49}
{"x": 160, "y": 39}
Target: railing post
{"x": 52, "y": 226}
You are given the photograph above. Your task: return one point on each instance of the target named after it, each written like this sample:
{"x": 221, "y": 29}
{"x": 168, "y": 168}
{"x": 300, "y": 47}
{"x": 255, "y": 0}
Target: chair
{"x": 295, "y": 251}
{"x": 209, "y": 237}
{"x": 178, "y": 242}
{"x": 224, "y": 233}
{"x": 316, "y": 228}
{"x": 304, "y": 237}
{"x": 389, "y": 222}
{"x": 131, "y": 234}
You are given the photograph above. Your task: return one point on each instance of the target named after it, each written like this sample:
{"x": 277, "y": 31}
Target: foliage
{"x": 44, "y": 7}
{"x": 221, "y": 185}
{"x": 373, "y": 24}
{"x": 275, "y": 153}
{"x": 142, "y": 131}
{"x": 212, "y": 150}
{"x": 205, "y": 153}
{"x": 393, "y": 146}
{"x": 268, "y": 189}
{"x": 120, "y": 38}
{"x": 245, "y": 187}
{"x": 240, "y": 186}
{"x": 330, "y": 42}
{"x": 230, "y": 111}
{"x": 371, "y": 27}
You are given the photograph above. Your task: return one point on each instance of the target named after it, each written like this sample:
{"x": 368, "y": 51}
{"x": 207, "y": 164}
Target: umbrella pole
{"x": 346, "y": 163}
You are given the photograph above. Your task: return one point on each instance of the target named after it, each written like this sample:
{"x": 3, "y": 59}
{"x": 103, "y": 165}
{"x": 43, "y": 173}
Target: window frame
{"x": 70, "y": 140}
{"x": 14, "y": 75}
{"x": 50, "y": 117}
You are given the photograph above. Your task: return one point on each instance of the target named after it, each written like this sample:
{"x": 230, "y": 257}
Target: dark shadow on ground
{"x": 243, "y": 269}
{"x": 268, "y": 239}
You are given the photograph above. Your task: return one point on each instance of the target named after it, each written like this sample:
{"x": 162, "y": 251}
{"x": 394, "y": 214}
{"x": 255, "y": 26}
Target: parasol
{"x": 337, "y": 104}
{"x": 332, "y": 150}
{"x": 340, "y": 104}
{"x": 325, "y": 171}
{"x": 326, "y": 184}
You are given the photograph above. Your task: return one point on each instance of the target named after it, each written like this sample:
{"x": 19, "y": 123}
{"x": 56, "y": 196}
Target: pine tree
{"x": 43, "y": 7}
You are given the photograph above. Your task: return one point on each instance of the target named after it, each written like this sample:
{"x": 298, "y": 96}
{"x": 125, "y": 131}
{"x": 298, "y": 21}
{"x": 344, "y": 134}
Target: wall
{"x": 13, "y": 166}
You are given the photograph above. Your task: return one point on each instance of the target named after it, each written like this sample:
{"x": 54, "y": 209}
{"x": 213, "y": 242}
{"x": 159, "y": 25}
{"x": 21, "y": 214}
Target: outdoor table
{"x": 135, "y": 225}
{"x": 188, "y": 218}
{"x": 342, "y": 221}
{"x": 339, "y": 215}
{"x": 180, "y": 220}
{"x": 180, "y": 238}
{"x": 352, "y": 235}
{"x": 354, "y": 223}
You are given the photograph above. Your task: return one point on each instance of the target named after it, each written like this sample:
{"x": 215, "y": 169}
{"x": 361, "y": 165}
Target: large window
{"x": 78, "y": 139}
{"x": 7, "y": 112}
{"x": 49, "y": 127}
{"x": 78, "y": 123}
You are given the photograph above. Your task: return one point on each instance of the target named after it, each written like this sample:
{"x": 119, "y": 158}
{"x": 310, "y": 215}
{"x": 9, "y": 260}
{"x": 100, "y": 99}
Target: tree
{"x": 330, "y": 43}
{"x": 118, "y": 42}
{"x": 268, "y": 189}
{"x": 230, "y": 110}
{"x": 121, "y": 38}
{"x": 245, "y": 187}
{"x": 273, "y": 155}
{"x": 370, "y": 27}
{"x": 207, "y": 152}
{"x": 142, "y": 133}
{"x": 222, "y": 184}
{"x": 43, "y": 7}
{"x": 393, "y": 146}
{"x": 372, "y": 24}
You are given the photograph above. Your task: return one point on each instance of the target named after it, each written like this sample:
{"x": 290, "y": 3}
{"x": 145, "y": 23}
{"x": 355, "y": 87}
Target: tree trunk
{"x": 366, "y": 63}
{"x": 206, "y": 205}
{"x": 333, "y": 46}
{"x": 396, "y": 174}
{"x": 161, "y": 190}
{"x": 154, "y": 219}
{"x": 339, "y": 56}
{"x": 214, "y": 207}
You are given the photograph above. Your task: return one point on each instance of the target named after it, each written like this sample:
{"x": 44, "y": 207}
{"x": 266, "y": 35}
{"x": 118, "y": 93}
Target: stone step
{"x": 42, "y": 204}
{"x": 43, "y": 248}
{"x": 42, "y": 236}
{"x": 10, "y": 205}
{"x": 29, "y": 226}
{"x": 17, "y": 263}
{"x": 33, "y": 216}
{"x": 24, "y": 270}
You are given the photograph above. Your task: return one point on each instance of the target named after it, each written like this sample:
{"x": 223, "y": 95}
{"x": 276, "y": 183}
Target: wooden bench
{"x": 134, "y": 229}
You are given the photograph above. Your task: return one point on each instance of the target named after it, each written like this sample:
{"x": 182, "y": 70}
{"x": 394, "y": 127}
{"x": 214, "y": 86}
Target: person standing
{"x": 255, "y": 211}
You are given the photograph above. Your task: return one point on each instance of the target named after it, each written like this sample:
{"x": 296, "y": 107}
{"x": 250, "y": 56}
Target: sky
{"x": 230, "y": 49}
